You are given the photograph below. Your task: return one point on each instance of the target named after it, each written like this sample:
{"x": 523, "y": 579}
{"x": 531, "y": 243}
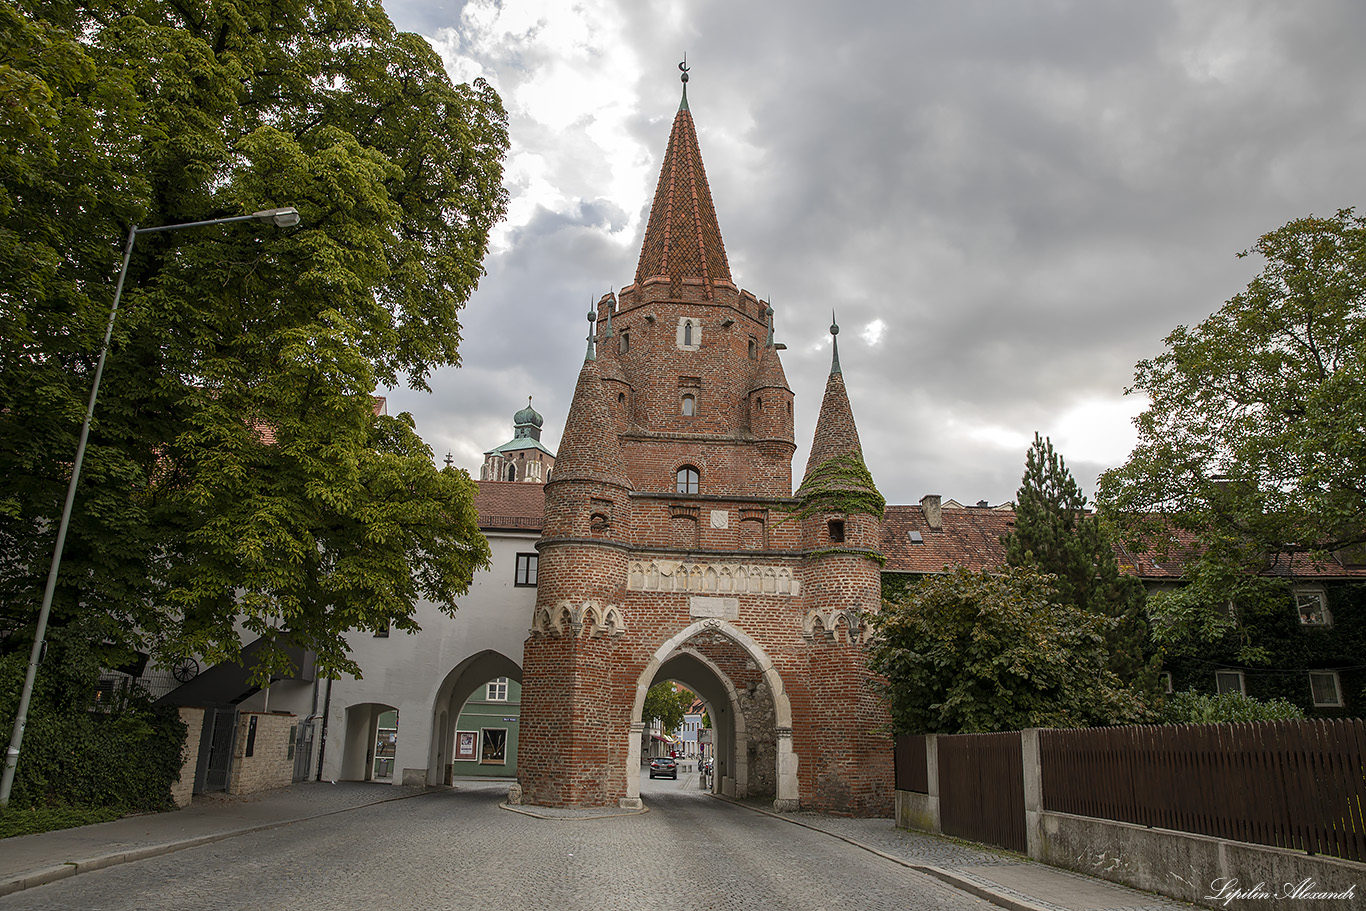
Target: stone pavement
{"x": 1003, "y": 879}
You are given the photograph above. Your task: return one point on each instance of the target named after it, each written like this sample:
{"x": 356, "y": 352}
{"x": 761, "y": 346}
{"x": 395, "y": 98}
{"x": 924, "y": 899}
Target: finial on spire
{"x": 683, "y": 69}
{"x": 449, "y": 460}
{"x": 768, "y": 311}
{"x": 834, "y": 343}
{"x": 608, "y": 332}
{"x": 592, "y": 332}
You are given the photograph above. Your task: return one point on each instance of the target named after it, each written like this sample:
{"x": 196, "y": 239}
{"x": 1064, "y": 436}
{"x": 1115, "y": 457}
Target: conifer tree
{"x": 1055, "y": 534}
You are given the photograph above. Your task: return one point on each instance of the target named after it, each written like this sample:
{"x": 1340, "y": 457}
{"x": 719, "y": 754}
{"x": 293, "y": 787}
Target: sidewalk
{"x": 1004, "y": 879}
{"x": 1000, "y": 877}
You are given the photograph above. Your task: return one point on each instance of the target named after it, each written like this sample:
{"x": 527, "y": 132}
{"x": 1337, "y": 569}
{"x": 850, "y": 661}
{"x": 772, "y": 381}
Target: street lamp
{"x": 283, "y": 218}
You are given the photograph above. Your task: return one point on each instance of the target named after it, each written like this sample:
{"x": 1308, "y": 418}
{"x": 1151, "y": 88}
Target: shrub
{"x": 1190, "y": 707}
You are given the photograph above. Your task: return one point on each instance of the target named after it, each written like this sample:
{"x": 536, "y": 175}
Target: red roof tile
{"x": 510, "y": 504}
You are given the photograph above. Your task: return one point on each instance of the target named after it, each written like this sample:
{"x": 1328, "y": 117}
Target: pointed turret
{"x": 836, "y": 432}
{"x": 683, "y": 238}
{"x": 589, "y": 450}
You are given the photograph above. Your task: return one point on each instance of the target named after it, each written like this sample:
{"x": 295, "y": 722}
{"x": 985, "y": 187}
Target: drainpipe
{"x": 322, "y": 738}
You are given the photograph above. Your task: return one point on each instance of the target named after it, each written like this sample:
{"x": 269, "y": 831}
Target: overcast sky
{"x": 1007, "y": 204}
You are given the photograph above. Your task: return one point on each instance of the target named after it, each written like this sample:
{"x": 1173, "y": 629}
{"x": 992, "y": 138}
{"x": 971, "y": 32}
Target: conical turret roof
{"x": 683, "y": 238}
{"x": 769, "y": 374}
{"x": 836, "y": 438}
{"x": 589, "y": 449}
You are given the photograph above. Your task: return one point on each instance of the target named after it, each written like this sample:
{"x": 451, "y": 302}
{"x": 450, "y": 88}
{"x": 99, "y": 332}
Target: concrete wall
{"x": 270, "y": 764}
{"x": 1196, "y": 868}
{"x": 183, "y": 790}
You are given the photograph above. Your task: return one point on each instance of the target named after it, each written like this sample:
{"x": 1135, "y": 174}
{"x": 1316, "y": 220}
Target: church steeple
{"x": 683, "y": 238}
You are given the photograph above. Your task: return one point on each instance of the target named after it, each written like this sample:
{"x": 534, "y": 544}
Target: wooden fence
{"x": 912, "y": 767}
{"x": 1289, "y": 784}
{"x": 981, "y": 790}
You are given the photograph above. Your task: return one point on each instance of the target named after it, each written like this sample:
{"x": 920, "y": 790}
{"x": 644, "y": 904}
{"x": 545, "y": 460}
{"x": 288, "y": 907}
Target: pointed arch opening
{"x": 729, "y": 671}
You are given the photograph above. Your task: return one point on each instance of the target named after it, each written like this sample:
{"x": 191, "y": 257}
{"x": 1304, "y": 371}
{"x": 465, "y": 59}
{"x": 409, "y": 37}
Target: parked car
{"x": 664, "y": 767}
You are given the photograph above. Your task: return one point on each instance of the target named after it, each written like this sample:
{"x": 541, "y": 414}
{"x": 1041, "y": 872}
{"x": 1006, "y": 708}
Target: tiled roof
{"x": 510, "y": 504}
{"x": 683, "y": 238}
{"x": 971, "y": 537}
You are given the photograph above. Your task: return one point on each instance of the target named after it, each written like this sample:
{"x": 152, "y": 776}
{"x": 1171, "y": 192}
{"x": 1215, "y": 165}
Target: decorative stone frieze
{"x": 567, "y": 619}
{"x": 711, "y": 578}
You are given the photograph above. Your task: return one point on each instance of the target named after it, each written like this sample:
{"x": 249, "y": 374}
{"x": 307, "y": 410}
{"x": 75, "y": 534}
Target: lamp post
{"x": 283, "y": 218}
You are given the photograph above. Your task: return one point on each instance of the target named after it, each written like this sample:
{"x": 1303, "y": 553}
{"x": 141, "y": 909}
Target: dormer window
{"x": 687, "y": 479}
{"x": 689, "y": 405}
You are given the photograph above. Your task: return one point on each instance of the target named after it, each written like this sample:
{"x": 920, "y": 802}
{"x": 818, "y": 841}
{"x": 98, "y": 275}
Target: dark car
{"x": 663, "y": 767}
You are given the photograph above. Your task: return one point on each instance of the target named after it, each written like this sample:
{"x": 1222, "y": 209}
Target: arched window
{"x": 687, "y": 479}
{"x": 512, "y": 472}
{"x": 689, "y": 405}
{"x": 753, "y": 348}
{"x": 687, "y": 334}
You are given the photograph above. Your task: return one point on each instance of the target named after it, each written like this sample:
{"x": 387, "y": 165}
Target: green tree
{"x": 969, "y": 652}
{"x": 237, "y": 470}
{"x": 666, "y": 704}
{"x": 1250, "y": 453}
{"x": 1056, "y": 534}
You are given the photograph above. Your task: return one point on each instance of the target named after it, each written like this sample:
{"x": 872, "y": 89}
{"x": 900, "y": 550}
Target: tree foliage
{"x": 1250, "y": 453}
{"x": 666, "y": 704}
{"x": 1056, "y": 534}
{"x": 973, "y": 652}
{"x": 237, "y": 470}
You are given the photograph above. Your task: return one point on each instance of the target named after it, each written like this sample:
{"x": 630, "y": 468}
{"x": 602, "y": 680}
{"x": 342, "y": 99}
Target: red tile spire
{"x": 683, "y": 238}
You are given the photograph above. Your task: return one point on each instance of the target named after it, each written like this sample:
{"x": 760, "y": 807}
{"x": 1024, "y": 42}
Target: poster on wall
{"x": 466, "y": 746}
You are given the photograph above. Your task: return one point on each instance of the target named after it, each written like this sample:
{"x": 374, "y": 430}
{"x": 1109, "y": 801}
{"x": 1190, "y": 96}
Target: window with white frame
{"x": 1324, "y": 686}
{"x": 1312, "y": 606}
{"x": 498, "y": 690}
{"x": 1229, "y": 682}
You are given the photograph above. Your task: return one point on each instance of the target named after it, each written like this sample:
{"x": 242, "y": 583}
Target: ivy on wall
{"x": 841, "y": 484}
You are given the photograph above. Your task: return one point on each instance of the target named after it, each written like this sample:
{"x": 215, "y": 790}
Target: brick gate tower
{"x": 675, "y": 549}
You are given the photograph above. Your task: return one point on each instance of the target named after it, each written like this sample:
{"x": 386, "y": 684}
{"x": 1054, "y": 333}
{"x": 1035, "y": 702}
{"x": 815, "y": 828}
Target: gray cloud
{"x": 1030, "y": 196}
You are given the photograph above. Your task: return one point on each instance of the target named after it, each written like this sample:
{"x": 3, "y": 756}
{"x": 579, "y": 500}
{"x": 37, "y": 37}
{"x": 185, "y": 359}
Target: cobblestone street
{"x": 458, "y": 850}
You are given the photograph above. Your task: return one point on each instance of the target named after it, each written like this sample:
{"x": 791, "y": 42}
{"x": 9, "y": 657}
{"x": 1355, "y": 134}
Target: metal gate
{"x": 217, "y": 761}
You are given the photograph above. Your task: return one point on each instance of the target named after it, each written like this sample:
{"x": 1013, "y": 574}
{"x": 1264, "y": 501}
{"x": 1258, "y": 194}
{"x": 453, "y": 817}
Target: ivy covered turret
{"x": 840, "y": 506}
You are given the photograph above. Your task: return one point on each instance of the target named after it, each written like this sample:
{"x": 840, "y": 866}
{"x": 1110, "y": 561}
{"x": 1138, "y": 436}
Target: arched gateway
{"x": 674, "y": 547}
